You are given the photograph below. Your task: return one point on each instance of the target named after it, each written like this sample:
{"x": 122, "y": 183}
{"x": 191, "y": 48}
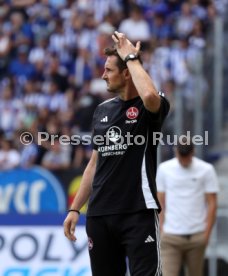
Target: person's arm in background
{"x": 142, "y": 81}
{"x": 211, "y": 191}
{"x": 211, "y": 199}
{"x": 161, "y": 193}
{"x": 161, "y": 198}
{"x": 81, "y": 197}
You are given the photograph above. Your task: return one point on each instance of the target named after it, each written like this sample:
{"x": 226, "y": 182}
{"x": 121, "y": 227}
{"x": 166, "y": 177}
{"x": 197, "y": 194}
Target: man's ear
{"x": 127, "y": 74}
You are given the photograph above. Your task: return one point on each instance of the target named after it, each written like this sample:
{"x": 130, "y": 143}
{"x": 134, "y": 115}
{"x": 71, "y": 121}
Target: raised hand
{"x": 124, "y": 46}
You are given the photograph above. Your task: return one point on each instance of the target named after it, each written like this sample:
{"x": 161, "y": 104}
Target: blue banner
{"x": 31, "y": 191}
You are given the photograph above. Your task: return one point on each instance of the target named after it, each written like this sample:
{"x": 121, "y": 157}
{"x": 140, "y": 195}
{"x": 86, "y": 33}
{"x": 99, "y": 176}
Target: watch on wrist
{"x": 131, "y": 57}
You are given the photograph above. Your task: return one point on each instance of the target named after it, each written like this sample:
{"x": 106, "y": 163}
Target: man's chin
{"x": 110, "y": 90}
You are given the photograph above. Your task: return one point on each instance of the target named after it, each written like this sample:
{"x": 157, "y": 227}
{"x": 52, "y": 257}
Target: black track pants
{"x": 113, "y": 238}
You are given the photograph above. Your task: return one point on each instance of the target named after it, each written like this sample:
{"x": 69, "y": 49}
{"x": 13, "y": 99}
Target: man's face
{"x": 115, "y": 79}
{"x": 185, "y": 161}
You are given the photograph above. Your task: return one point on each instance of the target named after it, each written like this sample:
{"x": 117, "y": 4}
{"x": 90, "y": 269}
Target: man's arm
{"x": 81, "y": 197}
{"x": 161, "y": 198}
{"x": 144, "y": 85}
{"x": 211, "y": 199}
{"x": 142, "y": 81}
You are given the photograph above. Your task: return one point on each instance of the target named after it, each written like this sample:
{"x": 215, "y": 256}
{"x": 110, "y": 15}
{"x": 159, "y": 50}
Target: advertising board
{"x": 35, "y": 245}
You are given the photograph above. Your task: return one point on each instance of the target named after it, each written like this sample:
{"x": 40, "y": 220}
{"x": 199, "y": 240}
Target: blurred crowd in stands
{"x": 51, "y": 61}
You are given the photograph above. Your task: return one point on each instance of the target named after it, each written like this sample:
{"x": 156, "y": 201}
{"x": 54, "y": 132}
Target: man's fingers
{"x": 138, "y": 46}
{"x": 119, "y": 35}
{"x": 66, "y": 229}
{"x": 121, "y": 40}
{"x": 69, "y": 229}
{"x": 116, "y": 36}
{"x": 72, "y": 228}
{"x": 115, "y": 39}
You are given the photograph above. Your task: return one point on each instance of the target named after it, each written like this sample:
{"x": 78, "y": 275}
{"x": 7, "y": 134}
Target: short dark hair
{"x": 111, "y": 51}
{"x": 185, "y": 147}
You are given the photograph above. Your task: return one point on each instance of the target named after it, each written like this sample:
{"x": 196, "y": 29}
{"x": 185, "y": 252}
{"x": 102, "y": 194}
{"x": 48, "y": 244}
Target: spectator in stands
{"x": 38, "y": 53}
{"x": 135, "y": 27}
{"x": 87, "y": 104}
{"x": 5, "y": 47}
{"x": 21, "y": 30}
{"x": 33, "y": 98}
{"x": 105, "y": 30}
{"x": 187, "y": 190}
{"x": 185, "y": 21}
{"x": 58, "y": 42}
{"x": 11, "y": 111}
{"x": 9, "y": 157}
{"x": 197, "y": 35}
{"x": 28, "y": 152}
{"x": 160, "y": 29}
{"x": 197, "y": 9}
{"x": 57, "y": 100}
{"x": 56, "y": 72}
{"x": 57, "y": 157}
{"x": 20, "y": 67}
{"x": 159, "y": 68}
{"x": 82, "y": 69}
{"x": 185, "y": 67}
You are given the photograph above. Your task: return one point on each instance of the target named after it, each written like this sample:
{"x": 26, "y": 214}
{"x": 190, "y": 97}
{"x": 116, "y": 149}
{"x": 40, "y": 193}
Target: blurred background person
{"x": 56, "y": 158}
{"x": 187, "y": 190}
{"x": 9, "y": 156}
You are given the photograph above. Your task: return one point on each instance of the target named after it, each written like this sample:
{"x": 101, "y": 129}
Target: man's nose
{"x": 104, "y": 76}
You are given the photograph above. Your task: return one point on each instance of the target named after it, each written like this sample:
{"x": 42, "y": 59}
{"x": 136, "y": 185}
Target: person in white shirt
{"x": 187, "y": 191}
{"x": 136, "y": 27}
{"x": 9, "y": 157}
